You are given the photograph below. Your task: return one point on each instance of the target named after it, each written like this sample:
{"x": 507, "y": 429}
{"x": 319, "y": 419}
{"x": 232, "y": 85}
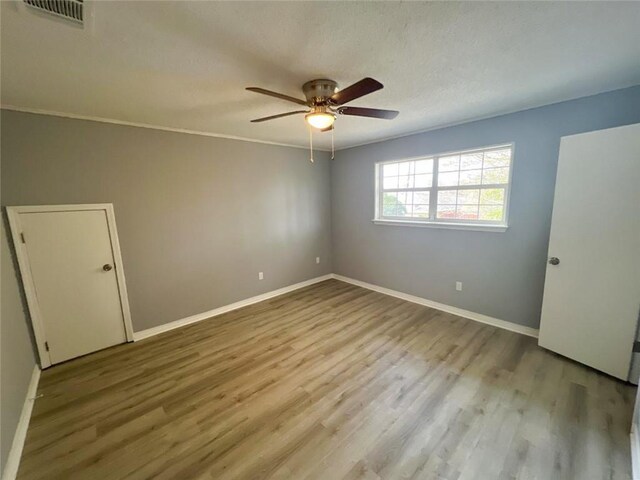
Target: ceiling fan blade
{"x": 264, "y": 119}
{"x": 277, "y": 95}
{"x": 368, "y": 112}
{"x": 357, "y": 90}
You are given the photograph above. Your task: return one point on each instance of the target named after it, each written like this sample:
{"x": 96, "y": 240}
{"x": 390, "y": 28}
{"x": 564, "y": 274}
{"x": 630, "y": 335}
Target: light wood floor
{"x": 329, "y": 382}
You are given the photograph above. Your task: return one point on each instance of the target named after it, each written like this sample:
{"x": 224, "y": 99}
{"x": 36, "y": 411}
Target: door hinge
{"x": 46, "y": 346}
{"x": 22, "y": 237}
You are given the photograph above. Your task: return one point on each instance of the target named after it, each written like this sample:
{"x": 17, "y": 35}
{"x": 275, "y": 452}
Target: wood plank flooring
{"x": 329, "y": 382}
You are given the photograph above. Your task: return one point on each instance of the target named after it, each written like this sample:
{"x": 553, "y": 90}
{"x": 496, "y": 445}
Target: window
{"x": 469, "y": 188}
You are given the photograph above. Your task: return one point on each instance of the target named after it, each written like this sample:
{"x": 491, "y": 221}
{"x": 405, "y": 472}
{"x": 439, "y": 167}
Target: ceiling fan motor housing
{"x": 319, "y": 91}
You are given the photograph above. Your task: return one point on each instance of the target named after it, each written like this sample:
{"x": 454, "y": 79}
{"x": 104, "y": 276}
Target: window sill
{"x": 450, "y": 226}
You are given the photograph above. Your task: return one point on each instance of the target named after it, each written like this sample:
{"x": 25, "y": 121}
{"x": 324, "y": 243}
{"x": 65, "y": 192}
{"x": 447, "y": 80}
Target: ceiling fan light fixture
{"x": 320, "y": 120}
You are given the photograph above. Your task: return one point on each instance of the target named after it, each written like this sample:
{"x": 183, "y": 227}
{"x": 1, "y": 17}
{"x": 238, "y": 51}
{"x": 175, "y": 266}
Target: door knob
{"x": 106, "y": 267}
{"x": 554, "y": 260}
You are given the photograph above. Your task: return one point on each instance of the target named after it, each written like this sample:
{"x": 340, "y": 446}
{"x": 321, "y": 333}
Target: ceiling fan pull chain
{"x": 333, "y": 152}
{"x": 311, "y": 144}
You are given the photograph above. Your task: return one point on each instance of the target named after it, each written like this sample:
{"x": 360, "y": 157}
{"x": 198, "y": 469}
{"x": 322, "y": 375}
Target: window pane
{"x": 495, "y": 175}
{"x": 389, "y": 182}
{"x": 492, "y": 196}
{"x": 421, "y": 197}
{"x": 446, "y": 211}
{"x": 470, "y": 177}
{"x": 471, "y": 161}
{"x": 447, "y": 179}
{"x": 493, "y": 212}
{"x": 405, "y": 181}
{"x": 390, "y": 198}
{"x": 468, "y": 197}
{"x": 404, "y": 168}
{"x": 422, "y": 181}
{"x": 424, "y": 166}
{"x": 401, "y": 210}
{"x": 447, "y": 197}
{"x": 389, "y": 210}
{"x": 421, "y": 211}
{"x": 390, "y": 170}
{"x": 467, "y": 212}
{"x": 389, "y": 207}
{"x": 449, "y": 164}
{"x": 392, "y": 205}
{"x": 407, "y": 211}
{"x": 497, "y": 158}
{"x": 405, "y": 197}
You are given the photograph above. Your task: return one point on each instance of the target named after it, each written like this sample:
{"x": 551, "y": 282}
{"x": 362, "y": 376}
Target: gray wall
{"x": 16, "y": 353}
{"x": 502, "y": 273}
{"x": 198, "y": 217}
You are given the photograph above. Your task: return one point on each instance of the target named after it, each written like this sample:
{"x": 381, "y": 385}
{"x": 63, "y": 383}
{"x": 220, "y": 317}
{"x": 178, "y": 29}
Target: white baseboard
{"x": 478, "y": 317}
{"x": 13, "y": 459}
{"x": 227, "y": 308}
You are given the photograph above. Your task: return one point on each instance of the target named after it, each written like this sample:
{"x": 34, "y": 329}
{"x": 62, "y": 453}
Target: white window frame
{"x": 433, "y": 221}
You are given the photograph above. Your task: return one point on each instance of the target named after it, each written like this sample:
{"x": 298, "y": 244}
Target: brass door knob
{"x": 106, "y": 267}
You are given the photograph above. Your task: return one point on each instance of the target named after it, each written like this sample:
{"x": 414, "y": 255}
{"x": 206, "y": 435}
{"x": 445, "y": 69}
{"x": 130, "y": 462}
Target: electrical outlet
{"x": 260, "y": 275}
{"x": 459, "y": 286}
{"x": 317, "y": 259}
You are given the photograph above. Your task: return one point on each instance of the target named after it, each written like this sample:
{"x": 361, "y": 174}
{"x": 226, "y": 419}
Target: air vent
{"x": 70, "y": 9}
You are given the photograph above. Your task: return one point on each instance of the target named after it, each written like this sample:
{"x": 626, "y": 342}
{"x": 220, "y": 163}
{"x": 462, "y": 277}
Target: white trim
{"x": 448, "y": 153}
{"x": 635, "y": 452}
{"x": 60, "y": 208}
{"x": 446, "y": 225}
{"x": 27, "y": 280}
{"x": 478, "y": 317}
{"x": 114, "y": 121}
{"x": 227, "y": 308}
{"x": 119, "y": 267}
{"x": 29, "y": 287}
{"x": 13, "y": 459}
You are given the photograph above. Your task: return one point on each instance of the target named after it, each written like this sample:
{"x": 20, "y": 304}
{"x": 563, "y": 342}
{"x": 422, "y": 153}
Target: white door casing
{"x": 592, "y": 297}
{"x": 76, "y": 306}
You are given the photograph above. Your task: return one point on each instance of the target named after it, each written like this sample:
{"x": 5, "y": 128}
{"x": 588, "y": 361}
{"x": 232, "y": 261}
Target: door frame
{"x": 13, "y": 213}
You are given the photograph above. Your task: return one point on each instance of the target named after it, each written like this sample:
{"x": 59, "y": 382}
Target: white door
{"x": 70, "y": 260}
{"x": 592, "y": 296}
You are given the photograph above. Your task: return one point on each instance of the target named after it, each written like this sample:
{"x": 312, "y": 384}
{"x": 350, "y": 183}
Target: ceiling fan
{"x": 325, "y": 102}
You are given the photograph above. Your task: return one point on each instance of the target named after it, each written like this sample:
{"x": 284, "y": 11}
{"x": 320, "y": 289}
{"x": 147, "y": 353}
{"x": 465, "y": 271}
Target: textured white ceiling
{"x": 185, "y": 64}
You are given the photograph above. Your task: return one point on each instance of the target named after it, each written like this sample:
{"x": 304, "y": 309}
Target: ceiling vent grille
{"x": 70, "y": 9}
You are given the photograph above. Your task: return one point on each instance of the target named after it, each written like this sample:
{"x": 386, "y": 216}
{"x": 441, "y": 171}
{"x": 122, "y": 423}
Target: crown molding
{"x": 114, "y": 121}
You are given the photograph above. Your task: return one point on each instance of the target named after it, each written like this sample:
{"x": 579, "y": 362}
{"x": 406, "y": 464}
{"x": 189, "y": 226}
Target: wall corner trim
{"x": 150, "y": 332}
{"x": 478, "y": 317}
{"x": 20, "y": 435}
